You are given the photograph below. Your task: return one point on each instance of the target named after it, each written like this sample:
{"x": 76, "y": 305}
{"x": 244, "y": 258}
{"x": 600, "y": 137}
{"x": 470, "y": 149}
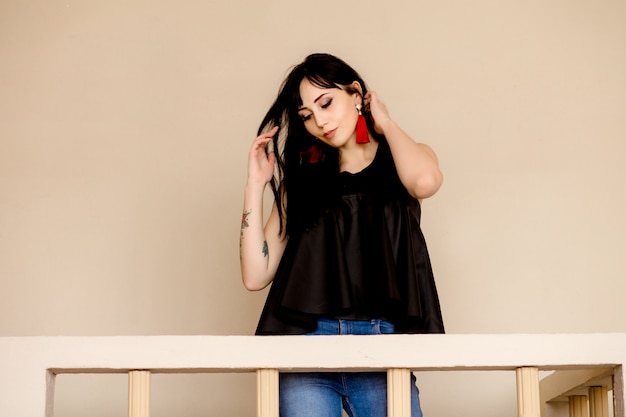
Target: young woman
{"x": 342, "y": 246}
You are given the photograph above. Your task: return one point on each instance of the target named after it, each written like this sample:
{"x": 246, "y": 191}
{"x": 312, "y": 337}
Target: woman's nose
{"x": 320, "y": 120}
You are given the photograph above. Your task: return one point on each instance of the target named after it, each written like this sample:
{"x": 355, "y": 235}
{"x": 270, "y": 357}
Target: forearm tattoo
{"x": 245, "y": 225}
{"x": 244, "y": 219}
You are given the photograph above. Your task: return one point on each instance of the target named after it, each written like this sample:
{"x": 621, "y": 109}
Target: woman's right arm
{"x": 260, "y": 247}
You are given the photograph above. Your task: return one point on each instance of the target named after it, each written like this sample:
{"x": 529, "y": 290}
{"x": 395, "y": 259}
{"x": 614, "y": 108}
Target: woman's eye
{"x": 305, "y": 117}
{"x": 327, "y": 103}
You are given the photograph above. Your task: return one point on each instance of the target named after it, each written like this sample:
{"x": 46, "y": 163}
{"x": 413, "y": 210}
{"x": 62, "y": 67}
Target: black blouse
{"x": 365, "y": 258}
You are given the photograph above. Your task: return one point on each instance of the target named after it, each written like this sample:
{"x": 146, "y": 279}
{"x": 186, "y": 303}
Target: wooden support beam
{"x": 578, "y": 406}
{"x": 267, "y": 392}
{"x": 528, "y": 403}
{"x": 598, "y": 402}
{"x": 139, "y": 394}
{"x": 399, "y": 392}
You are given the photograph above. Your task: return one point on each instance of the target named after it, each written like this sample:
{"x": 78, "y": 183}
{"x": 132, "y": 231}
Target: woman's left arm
{"x": 416, "y": 163}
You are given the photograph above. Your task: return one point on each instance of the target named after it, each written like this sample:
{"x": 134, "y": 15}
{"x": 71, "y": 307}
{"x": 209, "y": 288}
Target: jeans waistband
{"x": 352, "y": 327}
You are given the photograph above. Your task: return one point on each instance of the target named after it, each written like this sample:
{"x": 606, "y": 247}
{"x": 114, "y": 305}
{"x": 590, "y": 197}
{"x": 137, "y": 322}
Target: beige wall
{"x": 124, "y": 130}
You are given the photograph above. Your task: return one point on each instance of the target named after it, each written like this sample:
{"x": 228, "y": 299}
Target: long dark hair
{"x": 306, "y": 176}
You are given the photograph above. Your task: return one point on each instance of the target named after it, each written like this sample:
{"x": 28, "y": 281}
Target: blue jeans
{"x": 324, "y": 394}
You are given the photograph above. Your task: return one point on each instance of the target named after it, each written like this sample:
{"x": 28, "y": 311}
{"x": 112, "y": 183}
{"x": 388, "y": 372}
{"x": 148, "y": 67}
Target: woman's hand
{"x": 378, "y": 110}
{"x": 261, "y": 164}
{"x": 416, "y": 163}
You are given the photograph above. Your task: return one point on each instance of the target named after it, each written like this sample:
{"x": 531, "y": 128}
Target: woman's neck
{"x": 356, "y": 157}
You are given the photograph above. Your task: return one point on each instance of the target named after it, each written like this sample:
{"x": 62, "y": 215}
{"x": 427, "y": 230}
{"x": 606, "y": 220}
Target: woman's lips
{"x": 330, "y": 134}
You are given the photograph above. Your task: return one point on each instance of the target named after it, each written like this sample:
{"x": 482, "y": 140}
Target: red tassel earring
{"x": 361, "y": 128}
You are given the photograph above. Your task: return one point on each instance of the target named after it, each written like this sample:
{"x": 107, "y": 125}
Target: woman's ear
{"x": 358, "y": 91}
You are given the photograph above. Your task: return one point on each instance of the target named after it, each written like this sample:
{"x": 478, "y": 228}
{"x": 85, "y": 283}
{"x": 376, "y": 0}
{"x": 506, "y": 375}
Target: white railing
{"x": 28, "y": 365}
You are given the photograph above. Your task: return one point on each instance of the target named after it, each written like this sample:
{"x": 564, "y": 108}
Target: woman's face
{"x": 329, "y": 114}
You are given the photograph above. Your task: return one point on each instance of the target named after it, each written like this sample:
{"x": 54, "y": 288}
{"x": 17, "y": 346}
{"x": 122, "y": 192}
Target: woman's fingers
{"x": 377, "y": 109}
{"x": 271, "y": 158}
{"x": 264, "y": 138}
{"x": 367, "y": 100}
{"x": 260, "y": 142}
{"x": 261, "y": 163}
{"x": 269, "y": 134}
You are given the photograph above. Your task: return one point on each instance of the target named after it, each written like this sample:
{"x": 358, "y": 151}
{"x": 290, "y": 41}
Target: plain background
{"x": 124, "y": 133}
